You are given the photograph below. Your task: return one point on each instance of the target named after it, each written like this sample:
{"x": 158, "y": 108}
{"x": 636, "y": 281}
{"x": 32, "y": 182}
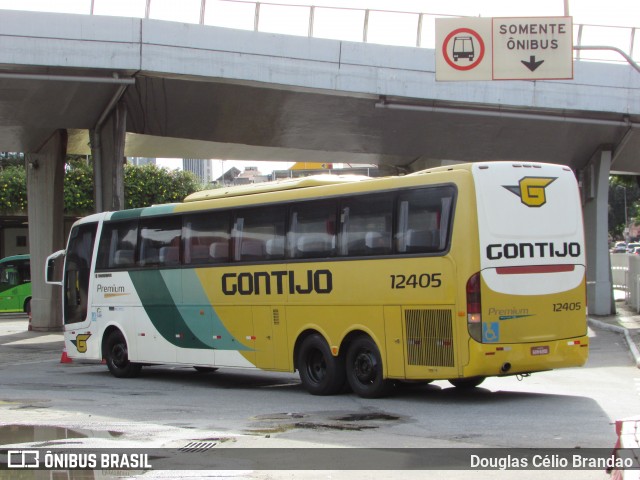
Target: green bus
{"x": 15, "y": 284}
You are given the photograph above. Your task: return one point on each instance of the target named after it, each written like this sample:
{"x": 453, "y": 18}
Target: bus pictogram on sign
{"x": 463, "y": 49}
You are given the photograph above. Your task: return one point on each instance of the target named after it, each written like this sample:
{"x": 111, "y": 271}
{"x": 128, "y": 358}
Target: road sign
{"x": 509, "y": 48}
{"x": 463, "y": 49}
{"x": 532, "y": 48}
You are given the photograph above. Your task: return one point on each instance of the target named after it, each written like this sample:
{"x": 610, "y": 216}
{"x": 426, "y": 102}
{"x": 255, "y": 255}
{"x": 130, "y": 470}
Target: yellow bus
{"x": 454, "y": 273}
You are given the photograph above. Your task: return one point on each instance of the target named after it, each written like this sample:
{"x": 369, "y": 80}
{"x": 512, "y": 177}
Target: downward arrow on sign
{"x": 532, "y": 64}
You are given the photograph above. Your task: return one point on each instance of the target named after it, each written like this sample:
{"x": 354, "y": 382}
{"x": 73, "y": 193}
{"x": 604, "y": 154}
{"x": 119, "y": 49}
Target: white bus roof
{"x": 276, "y": 186}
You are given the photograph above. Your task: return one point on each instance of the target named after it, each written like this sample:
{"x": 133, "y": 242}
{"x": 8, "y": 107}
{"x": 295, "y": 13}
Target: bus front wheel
{"x": 364, "y": 369}
{"x": 320, "y": 372}
{"x": 116, "y": 354}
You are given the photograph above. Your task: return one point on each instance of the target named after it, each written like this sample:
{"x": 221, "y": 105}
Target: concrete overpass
{"x": 137, "y": 87}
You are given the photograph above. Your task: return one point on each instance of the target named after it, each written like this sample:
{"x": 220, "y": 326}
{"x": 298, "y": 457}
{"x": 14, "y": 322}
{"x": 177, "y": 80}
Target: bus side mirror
{"x": 53, "y": 268}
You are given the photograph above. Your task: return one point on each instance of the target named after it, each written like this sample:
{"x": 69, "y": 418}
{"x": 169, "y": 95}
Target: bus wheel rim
{"x": 316, "y": 366}
{"x": 119, "y": 355}
{"x": 365, "y": 367}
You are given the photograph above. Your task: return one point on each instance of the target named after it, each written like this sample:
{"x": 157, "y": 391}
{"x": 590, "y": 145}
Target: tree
{"x": 624, "y": 194}
{"x": 13, "y": 189}
{"x": 78, "y": 188}
{"x": 144, "y": 186}
{"x": 152, "y": 185}
{"x": 11, "y": 159}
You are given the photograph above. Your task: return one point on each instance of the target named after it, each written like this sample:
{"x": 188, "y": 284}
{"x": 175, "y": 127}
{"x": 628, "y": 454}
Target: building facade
{"x": 202, "y": 168}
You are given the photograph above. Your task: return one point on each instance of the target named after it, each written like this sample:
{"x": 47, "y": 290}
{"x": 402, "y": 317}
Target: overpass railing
{"x": 388, "y": 27}
{"x": 625, "y": 276}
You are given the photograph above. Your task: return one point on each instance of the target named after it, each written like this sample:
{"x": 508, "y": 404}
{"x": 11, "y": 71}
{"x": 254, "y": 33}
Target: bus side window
{"x": 206, "y": 238}
{"x": 117, "y": 245}
{"x": 258, "y": 234}
{"x": 159, "y": 241}
{"x": 367, "y": 225}
{"x": 312, "y": 232}
{"x": 24, "y": 272}
{"x": 9, "y": 275}
{"x": 423, "y": 220}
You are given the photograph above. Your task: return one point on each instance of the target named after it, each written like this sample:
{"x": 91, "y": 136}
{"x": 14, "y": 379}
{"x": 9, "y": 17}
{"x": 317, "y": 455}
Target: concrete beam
{"x": 595, "y": 186}
{"x": 107, "y": 148}
{"x": 45, "y": 178}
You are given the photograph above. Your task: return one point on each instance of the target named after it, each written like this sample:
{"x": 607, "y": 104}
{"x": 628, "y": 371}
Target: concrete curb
{"x": 617, "y": 329}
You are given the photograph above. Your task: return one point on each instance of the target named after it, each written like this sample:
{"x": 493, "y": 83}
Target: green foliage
{"x": 13, "y": 189}
{"x": 11, "y": 159}
{"x": 78, "y": 188}
{"x": 151, "y": 185}
{"x": 144, "y": 186}
{"x": 624, "y": 196}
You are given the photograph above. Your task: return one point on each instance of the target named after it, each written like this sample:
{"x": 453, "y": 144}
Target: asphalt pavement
{"x": 626, "y": 322}
{"x": 19, "y": 345}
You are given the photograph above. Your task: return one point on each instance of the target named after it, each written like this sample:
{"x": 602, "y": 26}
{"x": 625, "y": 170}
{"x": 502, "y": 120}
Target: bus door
{"x": 24, "y": 288}
{"x": 77, "y": 271}
{"x": 158, "y": 324}
{"x": 9, "y": 281}
{"x": 271, "y": 338}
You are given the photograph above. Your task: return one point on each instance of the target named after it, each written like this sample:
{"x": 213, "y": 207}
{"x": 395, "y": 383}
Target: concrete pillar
{"x": 45, "y": 178}
{"x": 107, "y": 148}
{"x": 595, "y": 186}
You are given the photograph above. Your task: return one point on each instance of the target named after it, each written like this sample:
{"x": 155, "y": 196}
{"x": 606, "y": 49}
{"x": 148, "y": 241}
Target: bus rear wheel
{"x": 200, "y": 369}
{"x": 116, "y": 355}
{"x": 320, "y": 372}
{"x": 364, "y": 369}
{"x": 466, "y": 383}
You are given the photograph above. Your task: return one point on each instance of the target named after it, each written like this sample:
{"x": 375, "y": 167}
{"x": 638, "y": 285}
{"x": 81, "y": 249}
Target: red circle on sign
{"x": 451, "y": 62}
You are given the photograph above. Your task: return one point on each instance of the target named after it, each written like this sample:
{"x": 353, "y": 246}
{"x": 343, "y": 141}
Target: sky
{"x": 599, "y": 12}
{"x": 292, "y": 17}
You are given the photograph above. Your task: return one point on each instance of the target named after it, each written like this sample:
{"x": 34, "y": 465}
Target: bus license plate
{"x": 544, "y": 350}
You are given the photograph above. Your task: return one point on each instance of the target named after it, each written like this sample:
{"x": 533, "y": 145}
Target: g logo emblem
{"x": 81, "y": 342}
{"x": 531, "y": 190}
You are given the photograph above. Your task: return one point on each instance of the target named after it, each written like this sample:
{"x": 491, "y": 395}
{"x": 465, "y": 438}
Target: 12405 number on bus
{"x": 424, "y": 280}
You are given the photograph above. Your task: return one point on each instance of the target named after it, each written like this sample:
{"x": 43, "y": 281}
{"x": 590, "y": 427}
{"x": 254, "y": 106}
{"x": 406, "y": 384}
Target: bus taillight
{"x": 474, "y": 307}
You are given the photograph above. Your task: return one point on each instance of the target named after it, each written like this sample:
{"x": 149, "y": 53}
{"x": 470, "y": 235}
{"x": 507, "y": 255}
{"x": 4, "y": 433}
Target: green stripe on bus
{"x": 205, "y": 322}
{"x": 161, "y": 309}
{"x": 126, "y": 214}
{"x": 196, "y": 323}
{"x": 158, "y": 210}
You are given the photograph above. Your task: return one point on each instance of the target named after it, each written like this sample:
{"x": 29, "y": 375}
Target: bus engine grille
{"x": 429, "y": 337}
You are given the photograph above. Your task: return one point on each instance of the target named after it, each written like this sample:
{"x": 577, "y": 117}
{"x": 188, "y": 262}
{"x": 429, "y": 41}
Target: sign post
{"x": 509, "y": 48}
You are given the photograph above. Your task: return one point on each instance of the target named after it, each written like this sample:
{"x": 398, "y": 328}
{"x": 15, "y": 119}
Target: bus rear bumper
{"x": 512, "y": 359}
